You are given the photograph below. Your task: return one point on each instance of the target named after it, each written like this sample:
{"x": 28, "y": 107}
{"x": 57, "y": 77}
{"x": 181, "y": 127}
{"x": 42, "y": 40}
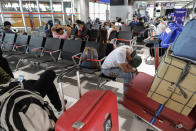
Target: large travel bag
{"x": 95, "y": 111}
{"x": 185, "y": 44}
{"x": 170, "y": 34}
{"x": 174, "y": 84}
{"x": 146, "y": 108}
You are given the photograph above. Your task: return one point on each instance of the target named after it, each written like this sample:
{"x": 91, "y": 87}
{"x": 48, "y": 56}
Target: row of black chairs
{"x": 52, "y": 51}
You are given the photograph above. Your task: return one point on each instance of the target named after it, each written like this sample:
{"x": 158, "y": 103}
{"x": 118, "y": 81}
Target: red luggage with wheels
{"x": 136, "y": 100}
{"x": 95, "y": 111}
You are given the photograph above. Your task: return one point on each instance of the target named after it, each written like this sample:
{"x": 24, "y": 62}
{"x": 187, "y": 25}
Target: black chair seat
{"x": 107, "y": 77}
{"x": 16, "y": 53}
{"x": 89, "y": 71}
{"x": 61, "y": 64}
{"x": 41, "y": 59}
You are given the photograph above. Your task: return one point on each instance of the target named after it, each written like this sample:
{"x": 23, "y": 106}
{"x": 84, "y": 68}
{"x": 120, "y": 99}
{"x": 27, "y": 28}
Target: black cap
{"x": 136, "y": 61}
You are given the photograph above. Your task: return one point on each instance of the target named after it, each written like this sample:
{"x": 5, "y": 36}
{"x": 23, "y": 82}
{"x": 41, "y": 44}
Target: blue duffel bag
{"x": 185, "y": 44}
{"x": 169, "y": 35}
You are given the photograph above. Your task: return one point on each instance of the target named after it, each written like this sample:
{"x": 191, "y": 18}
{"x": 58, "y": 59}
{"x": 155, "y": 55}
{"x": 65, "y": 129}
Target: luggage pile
{"x": 174, "y": 83}
{"x": 168, "y": 100}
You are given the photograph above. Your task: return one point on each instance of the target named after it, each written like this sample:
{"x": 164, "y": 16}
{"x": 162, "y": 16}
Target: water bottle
{"x": 20, "y": 78}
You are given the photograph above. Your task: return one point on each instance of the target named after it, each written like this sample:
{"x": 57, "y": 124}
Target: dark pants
{"x": 4, "y": 64}
{"x": 45, "y": 86}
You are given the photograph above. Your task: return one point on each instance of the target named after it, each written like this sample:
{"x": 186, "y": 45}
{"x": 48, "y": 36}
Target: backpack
{"x": 185, "y": 44}
{"x": 88, "y": 55}
{"x": 170, "y": 34}
{"x": 22, "y": 110}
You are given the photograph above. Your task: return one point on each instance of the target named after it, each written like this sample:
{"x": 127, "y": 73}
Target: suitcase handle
{"x": 59, "y": 81}
{"x": 78, "y": 81}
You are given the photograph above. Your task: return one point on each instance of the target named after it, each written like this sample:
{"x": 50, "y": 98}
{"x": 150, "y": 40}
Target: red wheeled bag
{"x": 136, "y": 100}
{"x": 95, "y": 111}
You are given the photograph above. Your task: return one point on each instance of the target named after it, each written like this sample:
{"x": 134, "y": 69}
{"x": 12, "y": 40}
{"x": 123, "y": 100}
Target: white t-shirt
{"x": 160, "y": 28}
{"x": 109, "y": 32}
{"x": 116, "y": 57}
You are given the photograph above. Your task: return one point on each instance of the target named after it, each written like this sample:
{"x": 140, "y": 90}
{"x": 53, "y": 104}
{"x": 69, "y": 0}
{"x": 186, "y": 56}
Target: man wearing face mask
{"x": 61, "y": 32}
{"x": 7, "y": 27}
{"x": 81, "y": 30}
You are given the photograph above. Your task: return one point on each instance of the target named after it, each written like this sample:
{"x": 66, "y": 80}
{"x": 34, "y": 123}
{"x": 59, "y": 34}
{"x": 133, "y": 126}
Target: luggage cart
{"x": 151, "y": 111}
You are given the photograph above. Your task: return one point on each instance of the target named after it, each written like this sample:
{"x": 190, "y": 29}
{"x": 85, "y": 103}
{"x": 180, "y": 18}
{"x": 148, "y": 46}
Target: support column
{"x": 107, "y": 13}
{"x": 72, "y": 10}
{"x": 39, "y": 15}
{"x": 2, "y": 18}
{"x": 127, "y": 11}
{"x": 84, "y": 10}
{"x": 119, "y": 11}
{"x": 193, "y": 11}
{"x": 63, "y": 11}
{"x": 23, "y": 17}
{"x": 51, "y": 7}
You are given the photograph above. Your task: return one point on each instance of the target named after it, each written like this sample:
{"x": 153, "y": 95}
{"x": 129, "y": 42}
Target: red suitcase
{"x": 95, "y": 111}
{"x": 136, "y": 100}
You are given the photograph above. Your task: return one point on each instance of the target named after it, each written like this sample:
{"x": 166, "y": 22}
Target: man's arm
{"x": 126, "y": 67}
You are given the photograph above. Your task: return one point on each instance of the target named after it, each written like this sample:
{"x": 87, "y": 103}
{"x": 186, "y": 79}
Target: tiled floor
{"x": 127, "y": 120}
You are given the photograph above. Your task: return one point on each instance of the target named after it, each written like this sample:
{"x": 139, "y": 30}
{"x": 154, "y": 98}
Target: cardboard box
{"x": 164, "y": 90}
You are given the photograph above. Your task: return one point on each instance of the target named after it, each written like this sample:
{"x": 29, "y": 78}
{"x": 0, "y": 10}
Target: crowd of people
{"x": 121, "y": 62}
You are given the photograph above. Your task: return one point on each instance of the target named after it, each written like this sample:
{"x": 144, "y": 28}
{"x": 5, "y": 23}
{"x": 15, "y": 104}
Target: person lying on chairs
{"x": 121, "y": 63}
{"x": 44, "y": 85}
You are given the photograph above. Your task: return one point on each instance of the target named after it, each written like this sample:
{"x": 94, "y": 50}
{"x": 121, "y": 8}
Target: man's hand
{"x": 127, "y": 68}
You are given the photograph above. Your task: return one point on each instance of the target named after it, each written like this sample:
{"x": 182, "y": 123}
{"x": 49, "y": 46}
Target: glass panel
{"x": 97, "y": 10}
{"x": 102, "y": 12}
{"x": 45, "y": 12}
{"x": 29, "y": 6}
{"x": 91, "y": 10}
{"x": 57, "y": 8}
{"x": 10, "y": 6}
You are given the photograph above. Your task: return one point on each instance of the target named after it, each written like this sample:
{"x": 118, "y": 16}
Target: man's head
{"x": 134, "y": 60}
{"x": 7, "y": 25}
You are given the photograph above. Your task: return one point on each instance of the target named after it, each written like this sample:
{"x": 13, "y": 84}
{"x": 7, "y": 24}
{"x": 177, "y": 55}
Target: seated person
{"x": 61, "y": 32}
{"x": 121, "y": 63}
{"x": 48, "y": 28}
{"x": 44, "y": 85}
{"x": 111, "y": 28}
{"x": 81, "y": 30}
{"x": 118, "y": 23}
{"x": 7, "y": 27}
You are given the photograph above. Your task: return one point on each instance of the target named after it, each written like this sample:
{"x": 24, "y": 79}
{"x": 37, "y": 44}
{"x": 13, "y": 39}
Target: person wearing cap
{"x": 122, "y": 63}
{"x": 7, "y": 27}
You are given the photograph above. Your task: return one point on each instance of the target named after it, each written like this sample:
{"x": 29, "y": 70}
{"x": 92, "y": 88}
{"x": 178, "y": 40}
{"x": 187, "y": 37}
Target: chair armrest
{"x": 37, "y": 49}
{"x": 51, "y": 52}
{"x": 74, "y": 57}
{"x": 20, "y": 46}
{"x": 123, "y": 40}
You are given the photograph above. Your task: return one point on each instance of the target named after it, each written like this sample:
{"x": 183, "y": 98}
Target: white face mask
{"x": 107, "y": 27}
{"x": 77, "y": 26}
